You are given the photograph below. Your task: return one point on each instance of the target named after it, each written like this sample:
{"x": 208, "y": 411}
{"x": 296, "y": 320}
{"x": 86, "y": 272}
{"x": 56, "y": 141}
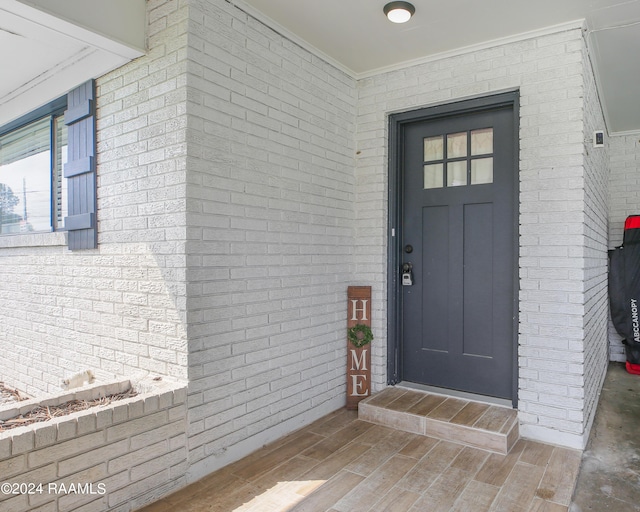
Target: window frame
{"x": 81, "y": 224}
{"x": 53, "y": 109}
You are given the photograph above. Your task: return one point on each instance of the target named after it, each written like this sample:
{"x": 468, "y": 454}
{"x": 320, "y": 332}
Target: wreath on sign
{"x": 360, "y": 335}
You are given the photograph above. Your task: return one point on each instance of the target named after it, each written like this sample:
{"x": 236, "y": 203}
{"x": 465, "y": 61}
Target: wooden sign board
{"x": 358, "y": 358}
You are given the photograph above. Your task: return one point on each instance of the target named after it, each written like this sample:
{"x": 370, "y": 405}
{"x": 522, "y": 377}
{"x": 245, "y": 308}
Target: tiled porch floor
{"x": 343, "y": 464}
{"x": 485, "y": 426}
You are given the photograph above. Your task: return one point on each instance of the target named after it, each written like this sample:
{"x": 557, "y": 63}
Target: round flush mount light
{"x": 399, "y": 12}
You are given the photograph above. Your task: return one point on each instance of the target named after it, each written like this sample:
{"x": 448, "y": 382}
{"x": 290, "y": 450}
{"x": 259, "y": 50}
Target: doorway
{"x": 453, "y": 246}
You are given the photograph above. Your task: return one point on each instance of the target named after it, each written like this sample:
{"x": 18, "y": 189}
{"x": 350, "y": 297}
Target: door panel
{"x": 457, "y": 214}
{"x": 435, "y": 250}
{"x": 478, "y": 280}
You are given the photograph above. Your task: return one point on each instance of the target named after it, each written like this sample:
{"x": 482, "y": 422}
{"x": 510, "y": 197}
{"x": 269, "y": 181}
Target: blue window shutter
{"x": 80, "y": 169}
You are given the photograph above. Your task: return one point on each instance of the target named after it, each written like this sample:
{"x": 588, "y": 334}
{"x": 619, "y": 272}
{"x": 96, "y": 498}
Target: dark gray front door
{"x": 457, "y": 231}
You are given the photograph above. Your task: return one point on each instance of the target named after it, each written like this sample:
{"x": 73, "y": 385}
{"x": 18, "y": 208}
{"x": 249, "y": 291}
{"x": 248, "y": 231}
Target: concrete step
{"x": 488, "y": 427}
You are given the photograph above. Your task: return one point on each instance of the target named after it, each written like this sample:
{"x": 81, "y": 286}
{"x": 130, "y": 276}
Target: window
{"x": 458, "y": 159}
{"x": 48, "y": 170}
{"x": 33, "y": 191}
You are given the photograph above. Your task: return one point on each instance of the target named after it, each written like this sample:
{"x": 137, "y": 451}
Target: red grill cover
{"x": 624, "y": 291}
{"x": 633, "y": 368}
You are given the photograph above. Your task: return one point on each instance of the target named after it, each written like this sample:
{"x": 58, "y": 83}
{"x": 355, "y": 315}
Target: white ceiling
{"x": 355, "y": 35}
{"x": 51, "y": 46}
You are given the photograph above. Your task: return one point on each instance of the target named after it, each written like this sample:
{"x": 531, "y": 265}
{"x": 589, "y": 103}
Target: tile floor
{"x": 485, "y": 426}
{"x": 343, "y": 464}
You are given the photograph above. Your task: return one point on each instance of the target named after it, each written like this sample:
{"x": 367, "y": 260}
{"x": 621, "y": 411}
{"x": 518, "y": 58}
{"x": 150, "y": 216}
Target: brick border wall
{"x": 132, "y": 452}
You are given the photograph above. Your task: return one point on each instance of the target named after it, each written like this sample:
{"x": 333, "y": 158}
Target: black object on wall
{"x": 624, "y": 291}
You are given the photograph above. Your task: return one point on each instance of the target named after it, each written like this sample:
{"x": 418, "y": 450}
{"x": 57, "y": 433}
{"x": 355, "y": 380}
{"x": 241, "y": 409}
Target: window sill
{"x": 56, "y": 238}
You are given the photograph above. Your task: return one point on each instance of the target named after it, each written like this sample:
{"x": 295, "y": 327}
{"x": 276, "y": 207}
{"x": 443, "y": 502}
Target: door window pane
{"x": 457, "y": 145}
{"x": 433, "y": 148}
{"x": 482, "y": 141}
{"x": 433, "y": 176}
{"x": 461, "y": 147}
{"x": 481, "y": 171}
{"x": 456, "y": 174}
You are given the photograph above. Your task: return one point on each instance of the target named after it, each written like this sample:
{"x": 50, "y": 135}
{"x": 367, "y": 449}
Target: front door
{"x": 457, "y": 233}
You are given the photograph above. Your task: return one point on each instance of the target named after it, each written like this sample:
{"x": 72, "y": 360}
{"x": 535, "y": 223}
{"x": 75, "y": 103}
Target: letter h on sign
{"x": 358, "y": 358}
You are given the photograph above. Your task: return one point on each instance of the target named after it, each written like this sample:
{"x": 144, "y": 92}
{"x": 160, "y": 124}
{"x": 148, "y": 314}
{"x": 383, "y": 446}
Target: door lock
{"x": 407, "y": 274}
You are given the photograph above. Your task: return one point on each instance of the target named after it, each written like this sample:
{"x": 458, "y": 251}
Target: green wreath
{"x": 360, "y": 335}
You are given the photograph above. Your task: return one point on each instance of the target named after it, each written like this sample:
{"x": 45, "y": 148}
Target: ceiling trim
{"x": 596, "y": 55}
{"x": 593, "y": 55}
{"x": 79, "y": 56}
{"x": 96, "y": 55}
{"x": 485, "y": 45}
{"x": 286, "y": 33}
{"x": 72, "y": 30}
{"x": 625, "y": 133}
{"x": 87, "y": 63}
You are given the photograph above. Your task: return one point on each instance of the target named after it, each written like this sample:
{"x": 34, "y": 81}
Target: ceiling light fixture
{"x": 399, "y": 12}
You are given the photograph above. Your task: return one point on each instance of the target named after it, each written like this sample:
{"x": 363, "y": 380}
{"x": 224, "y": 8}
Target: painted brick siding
{"x": 270, "y": 240}
{"x": 549, "y": 73}
{"x": 596, "y": 305}
{"x": 142, "y": 190}
{"x": 624, "y": 200}
{"x": 120, "y": 309}
{"x": 125, "y": 454}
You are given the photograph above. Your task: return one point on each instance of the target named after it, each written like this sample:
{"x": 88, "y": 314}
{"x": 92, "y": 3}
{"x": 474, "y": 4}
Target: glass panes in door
{"x": 457, "y": 145}
{"x": 433, "y": 148}
{"x": 433, "y": 176}
{"x": 458, "y": 159}
{"x": 456, "y": 173}
{"x": 481, "y": 171}
{"x": 482, "y": 142}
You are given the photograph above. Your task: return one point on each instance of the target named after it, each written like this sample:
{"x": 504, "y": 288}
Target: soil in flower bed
{"x": 8, "y": 395}
{"x": 39, "y": 413}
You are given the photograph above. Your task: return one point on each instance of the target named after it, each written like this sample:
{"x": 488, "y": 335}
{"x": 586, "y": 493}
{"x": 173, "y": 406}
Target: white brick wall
{"x": 118, "y": 310}
{"x": 562, "y": 255}
{"x": 124, "y": 455}
{"x": 243, "y": 186}
{"x": 270, "y": 239}
{"x": 596, "y": 307}
{"x": 624, "y": 200}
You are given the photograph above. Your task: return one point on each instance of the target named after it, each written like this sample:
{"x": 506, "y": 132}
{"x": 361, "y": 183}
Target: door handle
{"x": 407, "y": 274}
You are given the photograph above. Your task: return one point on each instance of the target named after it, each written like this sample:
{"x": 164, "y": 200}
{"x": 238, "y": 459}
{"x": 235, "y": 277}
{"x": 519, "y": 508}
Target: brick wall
{"x": 123, "y": 455}
{"x": 596, "y": 299}
{"x": 561, "y": 260}
{"x": 242, "y": 186}
{"x": 270, "y": 238}
{"x": 225, "y": 209}
{"x": 624, "y": 197}
{"x": 120, "y": 309}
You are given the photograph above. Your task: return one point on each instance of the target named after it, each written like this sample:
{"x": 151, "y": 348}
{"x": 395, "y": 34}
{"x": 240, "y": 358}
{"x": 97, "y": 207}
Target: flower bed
{"x": 48, "y": 412}
{"x": 10, "y": 396}
{"x": 121, "y": 454}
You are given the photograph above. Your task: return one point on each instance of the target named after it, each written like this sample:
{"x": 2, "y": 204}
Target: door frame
{"x": 397, "y": 123}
